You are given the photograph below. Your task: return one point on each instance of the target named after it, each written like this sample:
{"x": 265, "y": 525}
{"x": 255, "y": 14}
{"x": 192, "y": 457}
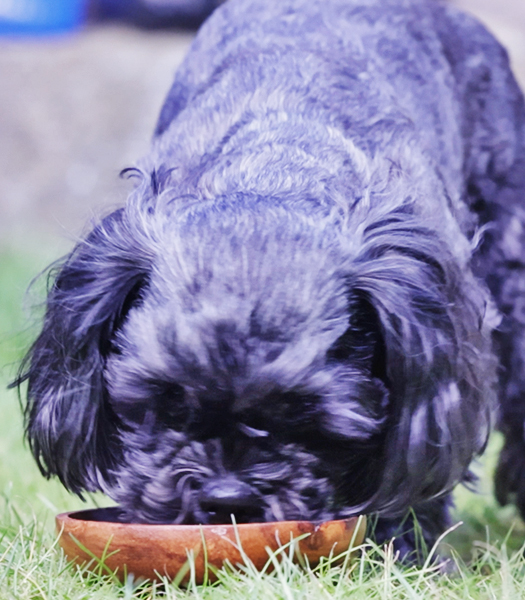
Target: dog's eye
{"x": 163, "y": 401}
{"x": 290, "y": 411}
{"x": 171, "y": 410}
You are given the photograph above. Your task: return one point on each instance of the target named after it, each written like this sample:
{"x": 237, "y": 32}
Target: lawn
{"x": 486, "y": 554}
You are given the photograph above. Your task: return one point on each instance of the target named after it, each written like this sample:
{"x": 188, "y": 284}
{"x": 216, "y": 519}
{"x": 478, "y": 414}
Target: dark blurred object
{"x": 155, "y": 14}
{"x": 35, "y": 17}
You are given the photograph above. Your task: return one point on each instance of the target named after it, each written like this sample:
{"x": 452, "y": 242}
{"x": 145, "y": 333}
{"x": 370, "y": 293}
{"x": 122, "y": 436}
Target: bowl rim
{"x": 76, "y": 517}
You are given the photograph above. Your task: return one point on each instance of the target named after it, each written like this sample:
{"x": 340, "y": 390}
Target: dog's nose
{"x": 222, "y": 497}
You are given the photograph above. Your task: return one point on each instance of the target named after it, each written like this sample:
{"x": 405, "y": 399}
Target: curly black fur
{"x": 292, "y": 317}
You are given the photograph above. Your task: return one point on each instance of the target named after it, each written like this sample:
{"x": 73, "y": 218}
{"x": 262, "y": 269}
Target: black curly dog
{"x": 315, "y": 292}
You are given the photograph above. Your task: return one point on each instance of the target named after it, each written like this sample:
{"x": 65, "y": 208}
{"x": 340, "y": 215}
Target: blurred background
{"x": 81, "y": 84}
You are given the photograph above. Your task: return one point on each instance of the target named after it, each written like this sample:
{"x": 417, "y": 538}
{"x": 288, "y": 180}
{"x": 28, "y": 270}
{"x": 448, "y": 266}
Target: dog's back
{"x": 371, "y": 69}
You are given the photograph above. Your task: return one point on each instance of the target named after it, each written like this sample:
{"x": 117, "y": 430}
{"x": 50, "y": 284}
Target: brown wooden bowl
{"x": 153, "y": 551}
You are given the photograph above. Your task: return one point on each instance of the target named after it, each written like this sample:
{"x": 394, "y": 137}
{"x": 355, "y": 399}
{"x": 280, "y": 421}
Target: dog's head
{"x": 256, "y": 364}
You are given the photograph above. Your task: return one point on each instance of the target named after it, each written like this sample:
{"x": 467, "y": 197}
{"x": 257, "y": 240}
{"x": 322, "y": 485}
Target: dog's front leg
{"x": 414, "y": 534}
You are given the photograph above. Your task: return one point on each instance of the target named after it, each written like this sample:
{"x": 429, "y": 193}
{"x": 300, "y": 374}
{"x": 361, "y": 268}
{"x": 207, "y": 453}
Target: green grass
{"x": 486, "y": 551}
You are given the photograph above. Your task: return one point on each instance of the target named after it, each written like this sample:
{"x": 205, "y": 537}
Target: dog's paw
{"x": 414, "y": 535}
{"x": 406, "y": 541}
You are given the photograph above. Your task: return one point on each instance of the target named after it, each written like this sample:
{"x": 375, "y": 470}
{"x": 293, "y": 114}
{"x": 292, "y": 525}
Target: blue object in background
{"x": 36, "y": 17}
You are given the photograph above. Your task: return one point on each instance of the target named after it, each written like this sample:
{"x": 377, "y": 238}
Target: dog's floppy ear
{"x": 69, "y": 425}
{"x": 438, "y": 366}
